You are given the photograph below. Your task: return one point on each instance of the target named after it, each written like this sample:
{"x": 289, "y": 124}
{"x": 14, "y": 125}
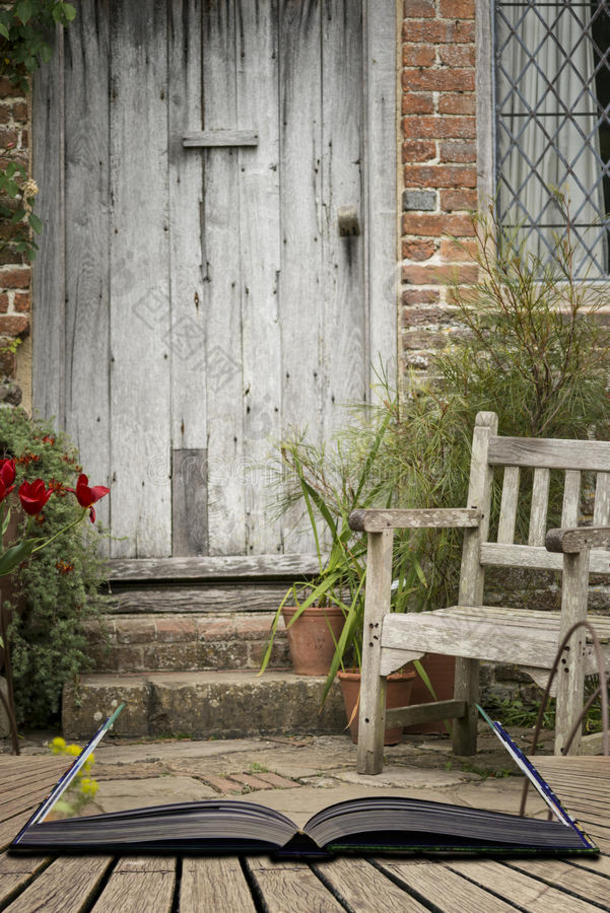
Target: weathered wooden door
{"x": 194, "y": 297}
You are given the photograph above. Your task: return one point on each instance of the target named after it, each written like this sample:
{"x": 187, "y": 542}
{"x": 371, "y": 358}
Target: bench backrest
{"x": 490, "y": 451}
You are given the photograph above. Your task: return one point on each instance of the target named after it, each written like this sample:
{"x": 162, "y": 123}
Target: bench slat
{"x": 550, "y": 453}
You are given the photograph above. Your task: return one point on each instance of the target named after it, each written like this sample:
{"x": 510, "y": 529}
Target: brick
{"x": 454, "y": 252}
{"x": 232, "y": 655}
{"x": 426, "y": 200}
{"x": 417, "y": 103}
{"x": 438, "y": 273}
{"x": 458, "y": 152}
{"x": 20, "y": 111}
{"x": 174, "y": 630}
{"x": 180, "y": 657}
{"x": 428, "y": 316}
{"x": 415, "y": 296}
{"x": 457, "y": 103}
{"x": 418, "y": 249}
{"x": 446, "y": 79}
{"x": 129, "y": 659}
{"x": 416, "y": 55}
{"x": 135, "y": 631}
{"x": 11, "y": 257}
{"x": 419, "y": 9}
{"x": 458, "y": 199}
{"x": 251, "y": 781}
{"x": 456, "y": 127}
{"x": 5, "y": 113}
{"x": 280, "y": 654}
{"x": 3, "y": 303}
{"x": 222, "y": 784}
{"x": 418, "y": 150}
{"x": 24, "y": 139}
{"x": 15, "y": 278}
{"x": 22, "y": 302}
{"x": 12, "y": 325}
{"x": 7, "y": 89}
{"x": 436, "y": 31}
{"x": 435, "y": 224}
{"x": 440, "y": 176}
{"x": 457, "y": 9}
{"x": 254, "y": 627}
{"x": 276, "y": 780}
{"x": 215, "y": 628}
{"x": 8, "y": 363}
{"x": 457, "y": 55}
{"x": 425, "y": 339}
{"x": 8, "y": 137}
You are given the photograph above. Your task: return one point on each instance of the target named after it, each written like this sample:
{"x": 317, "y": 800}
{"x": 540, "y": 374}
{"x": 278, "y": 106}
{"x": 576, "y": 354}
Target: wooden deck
{"x": 256, "y": 885}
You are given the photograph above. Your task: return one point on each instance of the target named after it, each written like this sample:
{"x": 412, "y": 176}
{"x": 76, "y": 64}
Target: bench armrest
{"x": 376, "y": 521}
{"x": 574, "y": 539}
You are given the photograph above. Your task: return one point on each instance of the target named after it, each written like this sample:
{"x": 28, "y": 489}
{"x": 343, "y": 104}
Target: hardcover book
{"x": 382, "y": 824}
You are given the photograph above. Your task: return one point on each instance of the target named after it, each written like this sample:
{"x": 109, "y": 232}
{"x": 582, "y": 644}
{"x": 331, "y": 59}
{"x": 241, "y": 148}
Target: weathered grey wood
{"x": 466, "y": 685}
{"x": 217, "y": 567}
{"x": 140, "y": 312}
{"x": 424, "y": 713}
{"x": 186, "y": 248}
{"x": 601, "y": 510}
{"x": 49, "y": 269}
{"x": 249, "y": 598}
{"x": 550, "y": 453}
{"x": 586, "y": 885}
{"x": 391, "y": 659}
{"x": 301, "y": 218}
{"x": 257, "y": 55}
{"x": 214, "y": 884}
{"x": 574, "y": 540}
{"x": 448, "y": 891}
{"x": 11, "y": 826}
{"x": 540, "y": 500}
{"x": 69, "y": 883}
{"x": 375, "y": 520}
{"x": 570, "y": 683}
{"x": 365, "y": 889}
{"x": 189, "y": 502}
{"x": 223, "y": 288}
{"x": 508, "y": 506}
{"x": 571, "y": 498}
{"x": 289, "y": 887}
{"x": 485, "y": 105}
{"x": 212, "y": 138}
{"x": 87, "y": 239}
{"x": 16, "y": 872}
{"x": 371, "y": 718}
{"x": 530, "y": 557}
{"x": 345, "y": 354}
{"x": 379, "y": 180}
{"x": 139, "y": 884}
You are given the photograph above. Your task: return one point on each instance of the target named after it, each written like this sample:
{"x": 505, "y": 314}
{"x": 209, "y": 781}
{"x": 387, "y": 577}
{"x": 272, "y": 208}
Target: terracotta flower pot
{"x": 398, "y": 694}
{"x": 441, "y": 671}
{"x": 310, "y": 640}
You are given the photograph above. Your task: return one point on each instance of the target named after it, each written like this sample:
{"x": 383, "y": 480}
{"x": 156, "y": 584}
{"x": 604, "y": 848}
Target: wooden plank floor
{"x": 100, "y": 884}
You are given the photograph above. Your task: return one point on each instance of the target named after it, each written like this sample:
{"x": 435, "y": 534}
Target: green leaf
{"x": 35, "y": 223}
{"x": 15, "y": 555}
{"x": 3, "y": 30}
{"x": 6, "y": 521}
{"x": 69, "y": 11}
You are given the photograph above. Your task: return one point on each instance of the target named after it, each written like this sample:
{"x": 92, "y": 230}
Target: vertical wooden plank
{"x": 87, "y": 194}
{"x": 48, "y": 279}
{"x": 187, "y": 352}
{"x": 222, "y": 288}
{"x": 538, "y": 510}
{"x": 69, "y": 883}
{"x": 472, "y": 577}
{"x": 371, "y": 719}
{"x": 301, "y": 276}
{"x": 570, "y": 674}
{"x": 571, "y": 498}
{"x": 601, "y": 510}
{"x": 259, "y": 193}
{"x": 508, "y": 505}
{"x": 345, "y": 354}
{"x": 141, "y": 883}
{"x": 380, "y": 180}
{"x": 140, "y": 313}
{"x": 214, "y": 884}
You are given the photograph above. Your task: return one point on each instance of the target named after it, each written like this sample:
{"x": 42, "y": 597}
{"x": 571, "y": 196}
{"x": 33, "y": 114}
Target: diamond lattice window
{"x": 553, "y": 127}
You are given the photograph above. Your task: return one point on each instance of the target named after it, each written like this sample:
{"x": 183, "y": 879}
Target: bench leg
{"x": 466, "y": 689}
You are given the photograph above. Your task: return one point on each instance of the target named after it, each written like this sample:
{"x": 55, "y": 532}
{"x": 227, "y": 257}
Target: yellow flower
{"x": 88, "y": 787}
{"x": 73, "y": 750}
{"x": 58, "y": 745}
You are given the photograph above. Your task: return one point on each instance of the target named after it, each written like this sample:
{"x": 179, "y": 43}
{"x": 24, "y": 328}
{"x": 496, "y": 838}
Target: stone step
{"x": 203, "y": 705}
{"x": 184, "y": 642}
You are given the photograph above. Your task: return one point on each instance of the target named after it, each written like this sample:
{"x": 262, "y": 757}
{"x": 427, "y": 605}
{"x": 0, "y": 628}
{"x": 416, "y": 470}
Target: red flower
{"x": 34, "y": 496}
{"x": 7, "y": 477}
{"x": 87, "y": 496}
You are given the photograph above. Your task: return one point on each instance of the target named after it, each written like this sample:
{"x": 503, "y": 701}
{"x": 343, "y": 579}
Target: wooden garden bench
{"x": 471, "y": 631}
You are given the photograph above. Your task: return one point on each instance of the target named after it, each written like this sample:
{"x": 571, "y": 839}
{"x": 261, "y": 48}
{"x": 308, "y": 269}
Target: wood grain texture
{"x": 601, "y": 510}
{"x": 584, "y": 884}
{"x": 87, "y": 236}
{"x": 538, "y": 511}
{"x": 291, "y": 888}
{"x": 214, "y": 884}
{"x": 206, "y": 139}
{"x": 570, "y": 541}
{"x": 449, "y": 891}
{"x": 217, "y": 567}
{"x": 375, "y": 520}
{"x": 139, "y": 885}
{"x": 570, "y": 676}
{"x": 69, "y": 883}
{"x": 365, "y": 889}
{"x": 228, "y": 598}
{"x": 508, "y": 506}
{"x": 189, "y": 502}
{"x": 16, "y": 872}
{"x": 371, "y": 716}
{"x": 550, "y": 453}
{"x": 571, "y": 498}
{"x": 140, "y": 307}
{"x": 421, "y": 713}
{"x": 257, "y": 54}
{"x": 528, "y": 556}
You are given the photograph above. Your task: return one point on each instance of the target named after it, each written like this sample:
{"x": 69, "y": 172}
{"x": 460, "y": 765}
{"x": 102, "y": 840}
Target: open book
{"x": 371, "y": 825}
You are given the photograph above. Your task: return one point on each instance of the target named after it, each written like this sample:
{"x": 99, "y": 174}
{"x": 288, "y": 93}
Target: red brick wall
{"x": 15, "y": 271}
{"x": 438, "y": 165}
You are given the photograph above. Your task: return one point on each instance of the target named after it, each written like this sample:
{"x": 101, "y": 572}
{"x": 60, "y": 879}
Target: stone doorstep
{"x": 184, "y": 642}
{"x": 203, "y": 705}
